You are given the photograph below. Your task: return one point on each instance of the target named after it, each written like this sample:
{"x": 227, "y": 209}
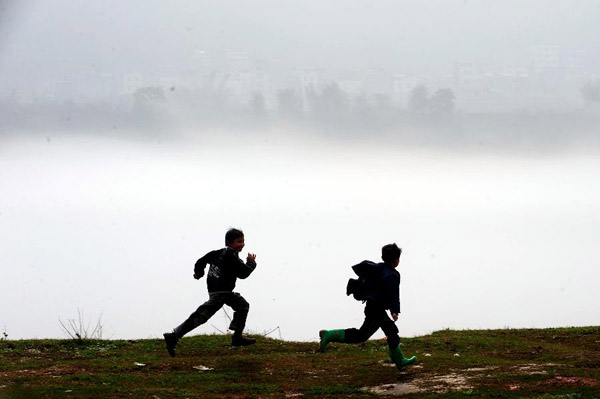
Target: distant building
{"x": 168, "y": 82}
{"x": 574, "y": 67}
{"x": 308, "y": 80}
{"x": 240, "y": 86}
{"x": 203, "y": 61}
{"x": 238, "y": 61}
{"x": 403, "y": 85}
{"x": 514, "y": 72}
{"x": 110, "y": 87}
{"x": 466, "y": 73}
{"x": 132, "y": 82}
{"x": 352, "y": 87}
{"x": 68, "y": 89}
{"x": 545, "y": 57}
{"x": 376, "y": 81}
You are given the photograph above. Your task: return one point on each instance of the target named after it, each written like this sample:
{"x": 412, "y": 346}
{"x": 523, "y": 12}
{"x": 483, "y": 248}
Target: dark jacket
{"x": 383, "y": 282}
{"x": 225, "y": 268}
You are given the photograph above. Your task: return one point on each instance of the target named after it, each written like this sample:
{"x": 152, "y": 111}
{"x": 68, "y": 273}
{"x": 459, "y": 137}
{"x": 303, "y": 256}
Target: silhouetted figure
{"x": 225, "y": 268}
{"x": 379, "y": 286}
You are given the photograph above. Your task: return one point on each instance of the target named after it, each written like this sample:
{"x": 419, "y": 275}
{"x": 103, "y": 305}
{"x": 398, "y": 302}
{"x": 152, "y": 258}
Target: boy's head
{"x": 390, "y": 254}
{"x": 234, "y": 238}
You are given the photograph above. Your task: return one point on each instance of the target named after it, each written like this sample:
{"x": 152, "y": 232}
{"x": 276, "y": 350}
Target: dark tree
{"x": 257, "y": 104}
{"x": 591, "y": 91}
{"x": 149, "y": 106}
{"x": 330, "y": 104}
{"x": 442, "y": 102}
{"x": 418, "y": 100}
{"x": 148, "y": 95}
{"x": 289, "y": 103}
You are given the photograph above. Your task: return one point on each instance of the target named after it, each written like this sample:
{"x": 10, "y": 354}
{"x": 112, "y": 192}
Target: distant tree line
{"x": 329, "y": 108}
{"x": 212, "y": 105}
{"x": 591, "y": 91}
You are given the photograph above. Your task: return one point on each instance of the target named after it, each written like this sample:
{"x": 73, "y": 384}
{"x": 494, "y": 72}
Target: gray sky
{"x": 54, "y": 37}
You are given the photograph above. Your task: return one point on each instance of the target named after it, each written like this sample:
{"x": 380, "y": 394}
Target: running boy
{"x": 382, "y": 293}
{"x": 225, "y": 268}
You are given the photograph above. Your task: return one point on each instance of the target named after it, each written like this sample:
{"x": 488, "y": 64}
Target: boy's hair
{"x": 232, "y": 235}
{"x": 390, "y": 252}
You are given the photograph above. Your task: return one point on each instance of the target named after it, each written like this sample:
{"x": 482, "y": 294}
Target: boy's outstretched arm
{"x": 245, "y": 269}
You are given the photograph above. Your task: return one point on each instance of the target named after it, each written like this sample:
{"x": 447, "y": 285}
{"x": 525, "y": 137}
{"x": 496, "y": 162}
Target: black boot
{"x": 171, "y": 341}
{"x": 239, "y": 340}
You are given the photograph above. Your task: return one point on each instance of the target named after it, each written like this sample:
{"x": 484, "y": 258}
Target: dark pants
{"x": 215, "y": 302}
{"x": 376, "y": 317}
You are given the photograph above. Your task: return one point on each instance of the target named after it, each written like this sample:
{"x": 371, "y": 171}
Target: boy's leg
{"x": 393, "y": 339}
{"x": 327, "y": 336}
{"x": 201, "y": 315}
{"x": 390, "y": 329}
{"x": 373, "y": 317}
{"x": 399, "y": 359}
{"x": 354, "y": 335}
{"x": 240, "y": 313}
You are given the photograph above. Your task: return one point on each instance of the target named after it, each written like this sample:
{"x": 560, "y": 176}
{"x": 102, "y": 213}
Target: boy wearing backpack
{"x": 379, "y": 286}
{"x": 225, "y": 268}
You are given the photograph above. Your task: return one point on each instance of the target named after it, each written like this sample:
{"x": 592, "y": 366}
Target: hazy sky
{"x": 60, "y": 37}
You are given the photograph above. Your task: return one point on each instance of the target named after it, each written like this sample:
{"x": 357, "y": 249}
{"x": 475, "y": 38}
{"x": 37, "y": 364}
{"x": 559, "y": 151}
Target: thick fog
{"x": 134, "y": 134}
{"x": 114, "y": 228}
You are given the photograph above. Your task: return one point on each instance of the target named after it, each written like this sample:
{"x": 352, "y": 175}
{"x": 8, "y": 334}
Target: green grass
{"x": 562, "y": 363}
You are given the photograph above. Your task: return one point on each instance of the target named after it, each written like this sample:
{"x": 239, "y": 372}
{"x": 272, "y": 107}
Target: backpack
{"x": 366, "y": 286}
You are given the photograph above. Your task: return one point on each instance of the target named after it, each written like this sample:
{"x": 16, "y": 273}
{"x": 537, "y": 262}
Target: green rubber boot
{"x": 398, "y": 358}
{"x": 328, "y": 336}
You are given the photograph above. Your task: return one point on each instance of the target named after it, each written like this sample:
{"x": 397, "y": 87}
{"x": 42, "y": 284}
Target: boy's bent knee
{"x": 393, "y": 341}
{"x": 240, "y": 304}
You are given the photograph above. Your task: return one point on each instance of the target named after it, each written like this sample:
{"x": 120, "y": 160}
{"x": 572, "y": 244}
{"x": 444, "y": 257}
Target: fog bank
{"x": 114, "y": 228}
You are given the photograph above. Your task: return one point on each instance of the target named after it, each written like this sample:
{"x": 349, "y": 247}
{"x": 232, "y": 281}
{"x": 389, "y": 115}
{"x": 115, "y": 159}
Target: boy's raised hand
{"x": 395, "y": 316}
{"x": 251, "y": 257}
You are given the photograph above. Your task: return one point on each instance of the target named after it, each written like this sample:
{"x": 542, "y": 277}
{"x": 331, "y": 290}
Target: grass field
{"x": 533, "y": 363}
